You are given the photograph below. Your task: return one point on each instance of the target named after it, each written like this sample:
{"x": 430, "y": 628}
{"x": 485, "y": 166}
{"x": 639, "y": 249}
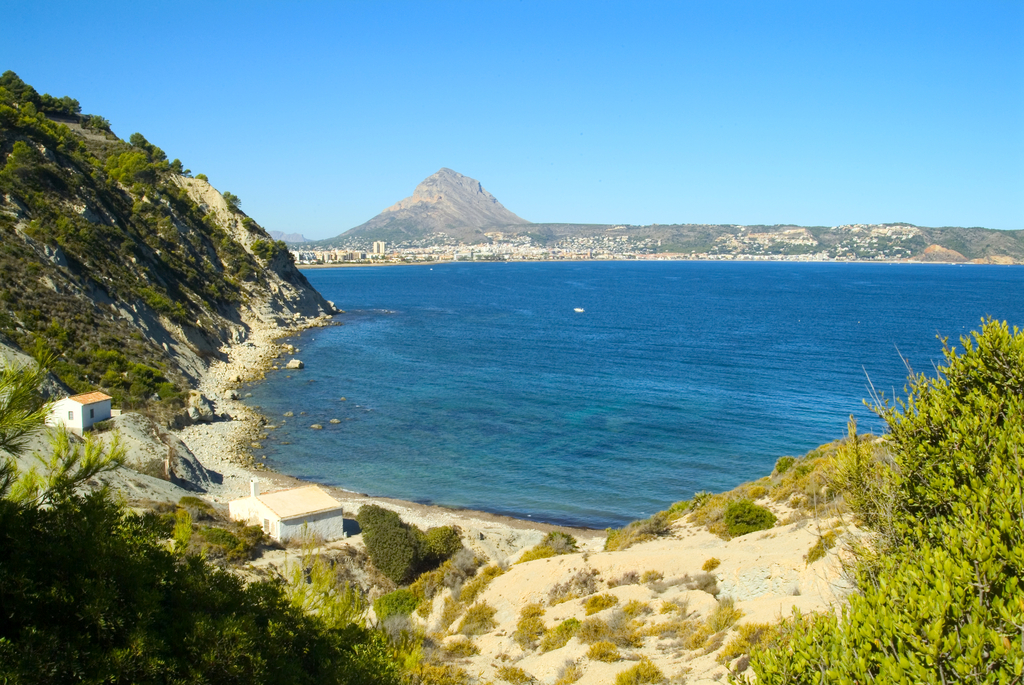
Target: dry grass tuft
{"x": 514, "y": 674}
{"x": 604, "y": 651}
{"x": 596, "y": 603}
{"x": 478, "y": 620}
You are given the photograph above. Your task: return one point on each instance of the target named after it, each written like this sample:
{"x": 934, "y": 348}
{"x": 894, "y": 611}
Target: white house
{"x": 282, "y": 514}
{"x": 80, "y": 412}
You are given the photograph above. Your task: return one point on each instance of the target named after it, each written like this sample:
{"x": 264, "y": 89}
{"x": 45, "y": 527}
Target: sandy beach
{"x": 225, "y": 447}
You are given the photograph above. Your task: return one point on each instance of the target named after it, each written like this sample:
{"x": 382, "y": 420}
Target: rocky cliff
{"x": 127, "y": 272}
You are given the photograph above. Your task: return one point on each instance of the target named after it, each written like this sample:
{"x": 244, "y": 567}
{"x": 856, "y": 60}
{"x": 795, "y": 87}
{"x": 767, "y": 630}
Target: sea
{"x": 597, "y": 393}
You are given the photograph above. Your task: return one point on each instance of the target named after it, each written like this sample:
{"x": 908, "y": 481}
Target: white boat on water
{"x": 578, "y": 309}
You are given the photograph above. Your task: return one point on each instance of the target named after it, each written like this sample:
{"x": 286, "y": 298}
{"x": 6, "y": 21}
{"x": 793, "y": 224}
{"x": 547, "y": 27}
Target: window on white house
{"x": 71, "y": 416}
{"x": 266, "y": 525}
{"x": 92, "y": 413}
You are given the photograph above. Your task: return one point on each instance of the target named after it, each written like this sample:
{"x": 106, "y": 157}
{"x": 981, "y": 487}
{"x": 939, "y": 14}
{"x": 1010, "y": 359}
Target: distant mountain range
{"x": 445, "y": 202}
{"x": 288, "y": 237}
{"x": 449, "y": 208}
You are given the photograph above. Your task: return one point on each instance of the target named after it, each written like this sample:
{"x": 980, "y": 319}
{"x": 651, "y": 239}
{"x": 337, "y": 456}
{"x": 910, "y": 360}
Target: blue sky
{"x": 320, "y": 114}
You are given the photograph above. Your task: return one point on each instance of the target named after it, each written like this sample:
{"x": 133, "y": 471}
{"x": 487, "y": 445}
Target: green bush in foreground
{"x": 90, "y": 594}
{"x": 940, "y": 600}
{"x": 398, "y": 603}
{"x": 744, "y": 517}
{"x": 400, "y": 550}
{"x": 557, "y": 637}
{"x": 782, "y": 465}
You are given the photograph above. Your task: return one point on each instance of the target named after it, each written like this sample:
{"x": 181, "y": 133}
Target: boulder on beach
{"x": 295, "y": 364}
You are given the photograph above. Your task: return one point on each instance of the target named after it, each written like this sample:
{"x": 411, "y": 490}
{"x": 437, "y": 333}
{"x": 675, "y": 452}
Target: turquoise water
{"x": 479, "y": 386}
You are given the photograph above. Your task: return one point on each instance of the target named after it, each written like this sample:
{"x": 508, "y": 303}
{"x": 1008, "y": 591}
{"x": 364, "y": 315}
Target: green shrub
{"x": 479, "y": 583}
{"x": 747, "y": 637}
{"x": 782, "y": 465}
{"x": 745, "y": 517}
{"x": 635, "y": 608}
{"x": 219, "y": 542}
{"x": 593, "y": 630}
{"x": 392, "y": 545}
{"x": 401, "y": 602}
{"x": 478, "y": 620}
{"x": 450, "y": 611}
{"x": 557, "y": 637}
{"x": 939, "y": 599}
{"x": 400, "y": 550}
{"x": 598, "y": 603}
{"x": 604, "y": 651}
{"x": 711, "y": 564}
{"x": 535, "y": 553}
{"x": 442, "y": 543}
{"x": 697, "y": 635}
{"x": 197, "y": 508}
{"x": 643, "y": 672}
{"x": 756, "y": 492}
{"x": 553, "y": 544}
{"x": 640, "y": 531}
{"x": 530, "y": 627}
{"x": 461, "y": 648}
{"x": 451, "y": 574}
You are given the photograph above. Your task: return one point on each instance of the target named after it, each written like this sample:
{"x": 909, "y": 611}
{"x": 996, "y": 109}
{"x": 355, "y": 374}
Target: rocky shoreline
{"x": 224, "y": 445}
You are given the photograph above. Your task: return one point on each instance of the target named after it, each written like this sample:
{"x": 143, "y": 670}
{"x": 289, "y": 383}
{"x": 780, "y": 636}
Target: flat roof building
{"x": 282, "y": 514}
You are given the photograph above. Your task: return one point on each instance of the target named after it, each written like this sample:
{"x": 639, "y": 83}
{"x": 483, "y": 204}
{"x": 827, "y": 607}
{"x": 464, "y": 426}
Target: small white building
{"x": 80, "y": 412}
{"x": 282, "y": 514}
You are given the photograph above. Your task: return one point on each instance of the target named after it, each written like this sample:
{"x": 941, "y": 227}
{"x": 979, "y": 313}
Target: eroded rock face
{"x": 200, "y": 408}
{"x": 157, "y": 453}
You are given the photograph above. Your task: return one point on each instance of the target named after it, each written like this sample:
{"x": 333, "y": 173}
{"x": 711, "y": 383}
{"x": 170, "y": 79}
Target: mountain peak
{"x": 445, "y": 201}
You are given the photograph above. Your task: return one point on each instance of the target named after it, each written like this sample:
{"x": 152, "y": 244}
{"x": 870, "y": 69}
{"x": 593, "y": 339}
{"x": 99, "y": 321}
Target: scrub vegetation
{"x": 94, "y": 592}
{"x": 940, "y": 588}
{"x": 97, "y": 233}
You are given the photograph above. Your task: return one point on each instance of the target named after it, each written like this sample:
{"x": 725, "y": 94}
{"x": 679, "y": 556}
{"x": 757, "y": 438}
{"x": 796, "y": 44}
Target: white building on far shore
{"x": 79, "y": 412}
{"x": 282, "y": 514}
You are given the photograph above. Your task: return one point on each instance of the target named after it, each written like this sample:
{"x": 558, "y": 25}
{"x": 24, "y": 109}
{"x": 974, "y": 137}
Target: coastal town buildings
{"x": 853, "y": 242}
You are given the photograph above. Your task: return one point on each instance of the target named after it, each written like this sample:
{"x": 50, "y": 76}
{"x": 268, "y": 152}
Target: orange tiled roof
{"x": 89, "y": 398}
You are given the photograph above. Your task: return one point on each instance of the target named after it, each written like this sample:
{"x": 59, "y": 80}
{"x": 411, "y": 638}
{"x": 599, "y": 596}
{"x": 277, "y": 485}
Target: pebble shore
{"x": 224, "y": 446}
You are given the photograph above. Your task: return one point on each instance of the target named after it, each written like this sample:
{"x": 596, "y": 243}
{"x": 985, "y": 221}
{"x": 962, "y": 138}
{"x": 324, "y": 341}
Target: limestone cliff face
{"x": 130, "y": 272}
{"x": 445, "y": 202}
